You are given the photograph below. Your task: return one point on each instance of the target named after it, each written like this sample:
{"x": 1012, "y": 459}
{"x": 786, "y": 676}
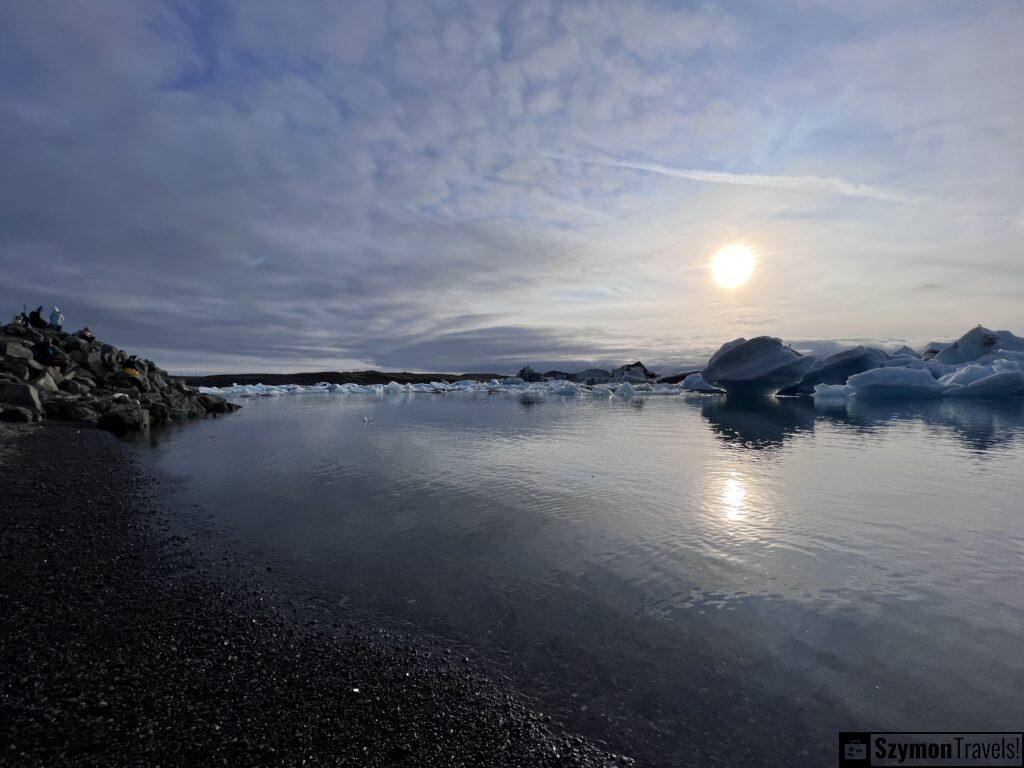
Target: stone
{"x": 122, "y": 420}
{"x": 17, "y": 370}
{"x": 44, "y": 382}
{"x": 73, "y": 387}
{"x": 216, "y": 404}
{"x": 635, "y": 373}
{"x": 23, "y": 395}
{"x": 16, "y": 414}
{"x": 13, "y": 349}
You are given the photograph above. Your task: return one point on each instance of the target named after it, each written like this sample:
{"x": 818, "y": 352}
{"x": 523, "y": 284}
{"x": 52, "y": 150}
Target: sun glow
{"x": 732, "y": 266}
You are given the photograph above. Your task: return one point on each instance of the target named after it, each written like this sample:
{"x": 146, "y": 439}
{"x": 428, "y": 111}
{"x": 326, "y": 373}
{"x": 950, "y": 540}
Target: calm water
{"x": 686, "y": 579}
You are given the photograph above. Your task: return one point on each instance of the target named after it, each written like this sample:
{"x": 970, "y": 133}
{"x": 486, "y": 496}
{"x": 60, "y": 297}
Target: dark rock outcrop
{"x": 87, "y": 381}
{"x": 636, "y": 373}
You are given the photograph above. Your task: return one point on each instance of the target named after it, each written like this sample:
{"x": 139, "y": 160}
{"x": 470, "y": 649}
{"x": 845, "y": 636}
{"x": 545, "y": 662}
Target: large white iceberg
{"x": 756, "y": 367}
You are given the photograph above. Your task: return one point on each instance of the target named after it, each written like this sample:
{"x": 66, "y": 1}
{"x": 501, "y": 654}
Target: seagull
{"x": 367, "y": 420}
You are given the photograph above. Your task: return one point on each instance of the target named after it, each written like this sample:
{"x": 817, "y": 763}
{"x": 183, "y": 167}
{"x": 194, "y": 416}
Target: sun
{"x": 732, "y": 266}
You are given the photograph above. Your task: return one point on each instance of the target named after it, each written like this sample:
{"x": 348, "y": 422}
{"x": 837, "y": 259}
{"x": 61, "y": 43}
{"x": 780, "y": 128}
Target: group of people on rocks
{"x": 35, "y": 319}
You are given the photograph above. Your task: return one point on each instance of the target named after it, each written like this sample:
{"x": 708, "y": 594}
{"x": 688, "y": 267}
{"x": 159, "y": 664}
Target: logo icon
{"x": 855, "y": 750}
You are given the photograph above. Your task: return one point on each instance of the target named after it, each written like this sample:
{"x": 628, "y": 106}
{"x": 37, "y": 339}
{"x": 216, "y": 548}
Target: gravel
{"x": 119, "y": 647}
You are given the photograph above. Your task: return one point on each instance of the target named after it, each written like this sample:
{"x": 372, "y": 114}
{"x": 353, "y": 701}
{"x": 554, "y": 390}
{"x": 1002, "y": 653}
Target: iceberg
{"x": 987, "y": 382}
{"x": 977, "y": 342}
{"x": 837, "y": 368}
{"x": 625, "y": 390}
{"x": 564, "y": 388}
{"x": 885, "y": 383}
{"x": 759, "y": 367}
{"x": 695, "y": 383}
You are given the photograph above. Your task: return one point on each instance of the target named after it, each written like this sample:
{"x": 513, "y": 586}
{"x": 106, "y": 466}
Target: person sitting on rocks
{"x": 56, "y": 319}
{"x": 45, "y": 353}
{"x": 35, "y": 318}
{"x": 86, "y": 334}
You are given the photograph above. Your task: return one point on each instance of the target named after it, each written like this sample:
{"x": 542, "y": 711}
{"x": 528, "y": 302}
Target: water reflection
{"x": 663, "y": 565}
{"x": 769, "y": 423}
{"x": 759, "y": 424}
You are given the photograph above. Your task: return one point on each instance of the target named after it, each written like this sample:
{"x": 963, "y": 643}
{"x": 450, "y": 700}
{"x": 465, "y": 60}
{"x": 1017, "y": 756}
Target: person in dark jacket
{"x": 36, "y": 319}
{"x": 45, "y": 353}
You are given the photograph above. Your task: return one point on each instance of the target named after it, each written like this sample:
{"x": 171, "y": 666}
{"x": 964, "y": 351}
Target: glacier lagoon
{"x": 681, "y": 576}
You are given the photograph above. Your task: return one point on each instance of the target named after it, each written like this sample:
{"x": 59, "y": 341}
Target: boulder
{"x": 69, "y": 410}
{"x": 16, "y": 414}
{"x": 43, "y": 381}
{"x": 73, "y": 387}
{"x": 122, "y": 420}
{"x": 15, "y": 349}
{"x": 216, "y": 404}
{"x": 636, "y": 373}
{"x": 17, "y": 370}
{"x": 756, "y": 367}
{"x": 22, "y": 395}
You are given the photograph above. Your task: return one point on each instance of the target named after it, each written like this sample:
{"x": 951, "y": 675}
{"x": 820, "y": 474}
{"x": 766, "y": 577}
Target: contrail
{"x": 832, "y": 185}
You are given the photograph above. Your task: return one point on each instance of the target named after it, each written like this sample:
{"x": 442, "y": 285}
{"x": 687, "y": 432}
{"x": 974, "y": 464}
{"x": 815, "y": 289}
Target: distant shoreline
{"x": 332, "y": 377}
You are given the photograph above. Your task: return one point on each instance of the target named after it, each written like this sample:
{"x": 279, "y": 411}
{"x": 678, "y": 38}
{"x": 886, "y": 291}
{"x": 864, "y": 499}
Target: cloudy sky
{"x": 473, "y": 185}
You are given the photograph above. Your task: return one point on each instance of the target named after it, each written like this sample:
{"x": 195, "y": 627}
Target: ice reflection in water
{"x": 724, "y": 581}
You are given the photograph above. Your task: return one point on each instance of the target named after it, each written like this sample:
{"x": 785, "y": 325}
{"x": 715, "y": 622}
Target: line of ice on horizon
{"x": 828, "y": 184}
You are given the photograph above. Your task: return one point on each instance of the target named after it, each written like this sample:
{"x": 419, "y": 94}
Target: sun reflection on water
{"x": 734, "y": 494}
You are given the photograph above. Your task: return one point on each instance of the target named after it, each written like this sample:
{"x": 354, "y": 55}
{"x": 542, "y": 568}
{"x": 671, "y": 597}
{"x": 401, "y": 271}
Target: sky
{"x": 472, "y": 186}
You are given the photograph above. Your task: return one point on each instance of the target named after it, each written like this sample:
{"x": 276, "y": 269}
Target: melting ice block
{"x": 837, "y": 368}
{"x": 1001, "y": 379}
{"x": 885, "y": 383}
{"x": 695, "y": 383}
{"x": 758, "y": 367}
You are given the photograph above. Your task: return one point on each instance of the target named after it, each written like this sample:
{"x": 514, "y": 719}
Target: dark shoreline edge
{"x": 119, "y": 647}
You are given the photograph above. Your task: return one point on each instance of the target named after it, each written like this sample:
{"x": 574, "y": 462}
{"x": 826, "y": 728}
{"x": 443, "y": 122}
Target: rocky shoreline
{"x": 75, "y": 377}
{"x": 119, "y": 647}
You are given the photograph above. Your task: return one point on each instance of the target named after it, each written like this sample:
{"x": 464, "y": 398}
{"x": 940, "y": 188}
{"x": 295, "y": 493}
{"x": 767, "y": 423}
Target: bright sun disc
{"x": 732, "y": 266}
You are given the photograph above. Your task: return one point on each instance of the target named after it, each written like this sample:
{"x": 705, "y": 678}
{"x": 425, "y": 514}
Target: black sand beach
{"x": 118, "y": 647}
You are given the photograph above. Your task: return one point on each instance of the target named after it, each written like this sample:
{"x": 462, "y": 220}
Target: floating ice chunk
{"x": 977, "y": 342}
{"x": 884, "y": 383}
{"x": 695, "y": 383}
{"x": 758, "y": 367}
{"x": 563, "y": 388}
{"x": 625, "y": 390}
{"x": 599, "y": 391}
{"x": 837, "y": 368}
{"x": 999, "y": 380}
{"x": 395, "y": 388}
{"x": 830, "y": 392}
